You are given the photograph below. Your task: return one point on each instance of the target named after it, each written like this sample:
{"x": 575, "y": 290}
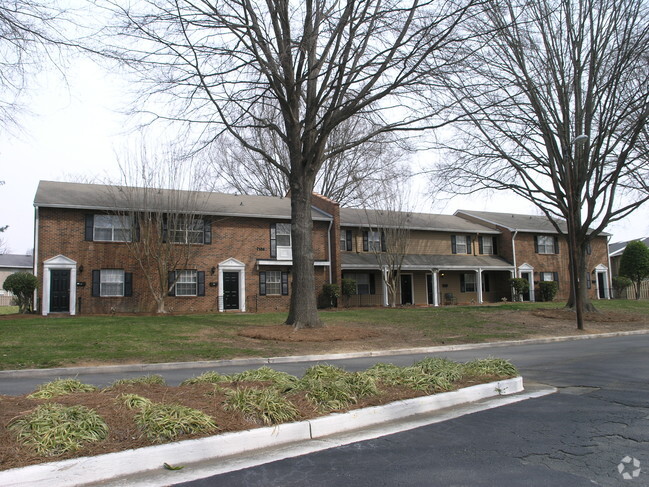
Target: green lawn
{"x": 37, "y": 342}
{"x": 8, "y": 310}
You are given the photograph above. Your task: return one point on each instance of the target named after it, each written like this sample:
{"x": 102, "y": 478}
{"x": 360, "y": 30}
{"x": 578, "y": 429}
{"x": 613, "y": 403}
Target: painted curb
{"x": 149, "y": 368}
{"x": 86, "y": 470}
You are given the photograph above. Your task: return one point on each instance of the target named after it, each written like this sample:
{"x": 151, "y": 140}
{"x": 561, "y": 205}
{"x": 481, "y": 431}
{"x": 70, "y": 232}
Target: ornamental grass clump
{"x": 60, "y": 387}
{"x": 133, "y": 401}
{"x": 491, "y": 367}
{"x": 53, "y": 429}
{"x": 144, "y": 380}
{"x": 411, "y": 377}
{"x": 163, "y": 422}
{"x": 210, "y": 377}
{"x": 332, "y": 388}
{"x": 267, "y": 406}
{"x": 280, "y": 380}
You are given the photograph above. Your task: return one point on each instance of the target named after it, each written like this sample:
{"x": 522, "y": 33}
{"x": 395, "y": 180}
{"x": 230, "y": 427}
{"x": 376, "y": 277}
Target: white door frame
{"x": 59, "y": 263}
{"x": 233, "y": 265}
{"x": 524, "y": 268}
{"x": 602, "y": 269}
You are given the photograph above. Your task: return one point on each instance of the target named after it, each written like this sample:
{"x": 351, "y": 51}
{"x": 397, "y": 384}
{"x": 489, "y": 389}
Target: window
{"x": 346, "y": 240}
{"x": 273, "y": 283}
{"x": 187, "y": 230}
{"x": 112, "y": 283}
{"x": 280, "y": 241}
{"x": 460, "y": 244}
{"x": 364, "y": 282}
{"x": 546, "y": 244}
{"x": 467, "y": 282}
{"x": 373, "y": 241}
{"x": 488, "y": 245}
{"x": 548, "y": 276}
{"x": 109, "y": 228}
{"x": 187, "y": 283}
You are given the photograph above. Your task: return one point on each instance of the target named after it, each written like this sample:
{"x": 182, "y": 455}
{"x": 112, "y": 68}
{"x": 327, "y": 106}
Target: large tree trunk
{"x": 578, "y": 300}
{"x": 303, "y": 312}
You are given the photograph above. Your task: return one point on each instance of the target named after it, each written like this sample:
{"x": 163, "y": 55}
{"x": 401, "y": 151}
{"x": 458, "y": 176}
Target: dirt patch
{"x": 596, "y": 317}
{"x": 285, "y": 333}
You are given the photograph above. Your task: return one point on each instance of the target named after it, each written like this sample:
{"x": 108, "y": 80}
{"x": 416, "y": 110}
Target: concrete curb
{"x": 87, "y": 470}
{"x": 148, "y": 368}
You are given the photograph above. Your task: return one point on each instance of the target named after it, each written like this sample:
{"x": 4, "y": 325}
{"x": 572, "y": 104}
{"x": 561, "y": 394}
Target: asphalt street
{"x": 594, "y": 431}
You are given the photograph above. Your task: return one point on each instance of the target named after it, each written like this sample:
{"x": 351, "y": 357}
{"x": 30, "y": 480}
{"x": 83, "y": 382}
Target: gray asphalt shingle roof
{"x": 16, "y": 261}
{"x": 617, "y": 248}
{"x": 352, "y": 217}
{"x": 111, "y": 198}
{"x": 368, "y": 261}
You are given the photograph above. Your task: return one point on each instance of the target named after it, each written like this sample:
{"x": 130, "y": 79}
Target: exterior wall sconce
{"x": 80, "y": 269}
{"x": 213, "y": 270}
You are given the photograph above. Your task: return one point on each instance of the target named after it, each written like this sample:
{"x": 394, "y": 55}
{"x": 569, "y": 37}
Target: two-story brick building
{"x": 239, "y": 252}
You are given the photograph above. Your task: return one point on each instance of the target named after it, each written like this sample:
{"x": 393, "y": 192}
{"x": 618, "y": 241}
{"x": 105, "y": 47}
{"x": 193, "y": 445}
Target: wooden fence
{"x": 629, "y": 292}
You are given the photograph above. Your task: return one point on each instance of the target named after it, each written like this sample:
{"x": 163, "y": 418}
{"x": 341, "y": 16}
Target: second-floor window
{"x": 346, "y": 240}
{"x": 460, "y": 244}
{"x": 187, "y": 230}
{"x": 111, "y": 228}
{"x": 488, "y": 245}
{"x": 280, "y": 241}
{"x": 546, "y": 244}
{"x": 373, "y": 241}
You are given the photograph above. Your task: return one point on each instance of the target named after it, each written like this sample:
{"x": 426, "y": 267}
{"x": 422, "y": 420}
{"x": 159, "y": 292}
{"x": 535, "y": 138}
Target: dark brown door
{"x": 59, "y": 291}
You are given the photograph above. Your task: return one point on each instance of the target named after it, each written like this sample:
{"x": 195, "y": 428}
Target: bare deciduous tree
{"x": 158, "y": 210}
{"x": 346, "y": 177}
{"x": 557, "y": 99}
{"x": 298, "y": 71}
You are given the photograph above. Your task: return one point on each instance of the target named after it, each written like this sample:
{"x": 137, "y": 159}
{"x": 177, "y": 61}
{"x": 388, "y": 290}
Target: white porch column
{"x": 479, "y": 284}
{"x": 435, "y": 282}
{"x": 384, "y": 275}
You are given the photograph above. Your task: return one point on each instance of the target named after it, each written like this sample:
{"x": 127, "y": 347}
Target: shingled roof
{"x": 51, "y": 194}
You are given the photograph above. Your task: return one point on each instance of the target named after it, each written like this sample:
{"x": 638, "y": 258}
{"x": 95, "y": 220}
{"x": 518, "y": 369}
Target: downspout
{"x": 331, "y": 223}
{"x": 610, "y": 269}
{"x": 35, "y": 258}
{"x": 514, "y": 250}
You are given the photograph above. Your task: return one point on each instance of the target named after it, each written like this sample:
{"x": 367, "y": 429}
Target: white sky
{"x": 76, "y": 130}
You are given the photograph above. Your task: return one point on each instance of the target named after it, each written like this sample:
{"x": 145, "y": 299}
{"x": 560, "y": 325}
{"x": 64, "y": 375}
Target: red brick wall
{"x": 61, "y": 231}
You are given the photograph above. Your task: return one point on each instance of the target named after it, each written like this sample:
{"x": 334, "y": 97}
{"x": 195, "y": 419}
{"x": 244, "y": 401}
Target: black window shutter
{"x": 128, "y": 284}
{"x": 453, "y": 244}
{"x": 349, "y": 239}
{"x": 171, "y": 280}
{"x": 556, "y": 245}
{"x": 135, "y": 231}
{"x": 480, "y": 246}
{"x": 284, "y": 283}
{"x": 588, "y": 283}
{"x": 96, "y": 282}
{"x": 383, "y": 245}
{"x": 366, "y": 246}
{"x": 536, "y": 244}
{"x": 555, "y": 276}
{"x": 372, "y": 284}
{"x": 262, "y": 284}
{"x": 90, "y": 223}
{"x": 164, "y": 231}
{"x": 495, "y": 245}
{"x": 462, "y": 284}
{"x": 589, "y": 249}
{"x": 207, "y": 232}
{"x": 200, "y": 275}
{"x": 469, "y": 250}
{"x": 273, "y": 241}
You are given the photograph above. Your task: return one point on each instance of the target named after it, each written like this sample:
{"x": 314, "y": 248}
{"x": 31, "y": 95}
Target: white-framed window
{"x": 467, "y": 282}
{"x": 362, "y": 282}
{"x": 186, "y": 283}
{"x": 273, "y": 282}
{"x": 461, "y": 244}
{"x": 283, "y": 234}
{"x": 280, "y": 241}
{"x": 487, "y": 245}
{"x": 545, "y": 244}
{"x": 373, "y": 241}
{"x": 112, "y": 228}
{"x": 187, "y": 230}
{"x": 546, "y": 276}
{"x": 346, "y": 240}
{"x": 111, "y": 282}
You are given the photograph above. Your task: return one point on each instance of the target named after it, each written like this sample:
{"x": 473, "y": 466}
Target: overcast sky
{"x": 75, "y": 130}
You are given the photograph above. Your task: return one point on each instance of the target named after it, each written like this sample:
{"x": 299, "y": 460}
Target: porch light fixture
{"x": 80, "y": 269}
{"x": 213, "y": 270}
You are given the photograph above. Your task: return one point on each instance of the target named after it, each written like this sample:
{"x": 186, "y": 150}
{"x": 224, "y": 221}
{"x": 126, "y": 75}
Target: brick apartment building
{"x": 238, "y": 252}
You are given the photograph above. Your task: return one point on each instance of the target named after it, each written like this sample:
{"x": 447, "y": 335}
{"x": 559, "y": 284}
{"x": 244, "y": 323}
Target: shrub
{"x": 54, "y": 429}
{"x": 22, "y": 285}
{"x": 519, "y": 285}
{"x": 548, "y": 290}
{"x": 347, "y": 289}
{"x": 620, "y": 283}
{"x": 331, "y": 294}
